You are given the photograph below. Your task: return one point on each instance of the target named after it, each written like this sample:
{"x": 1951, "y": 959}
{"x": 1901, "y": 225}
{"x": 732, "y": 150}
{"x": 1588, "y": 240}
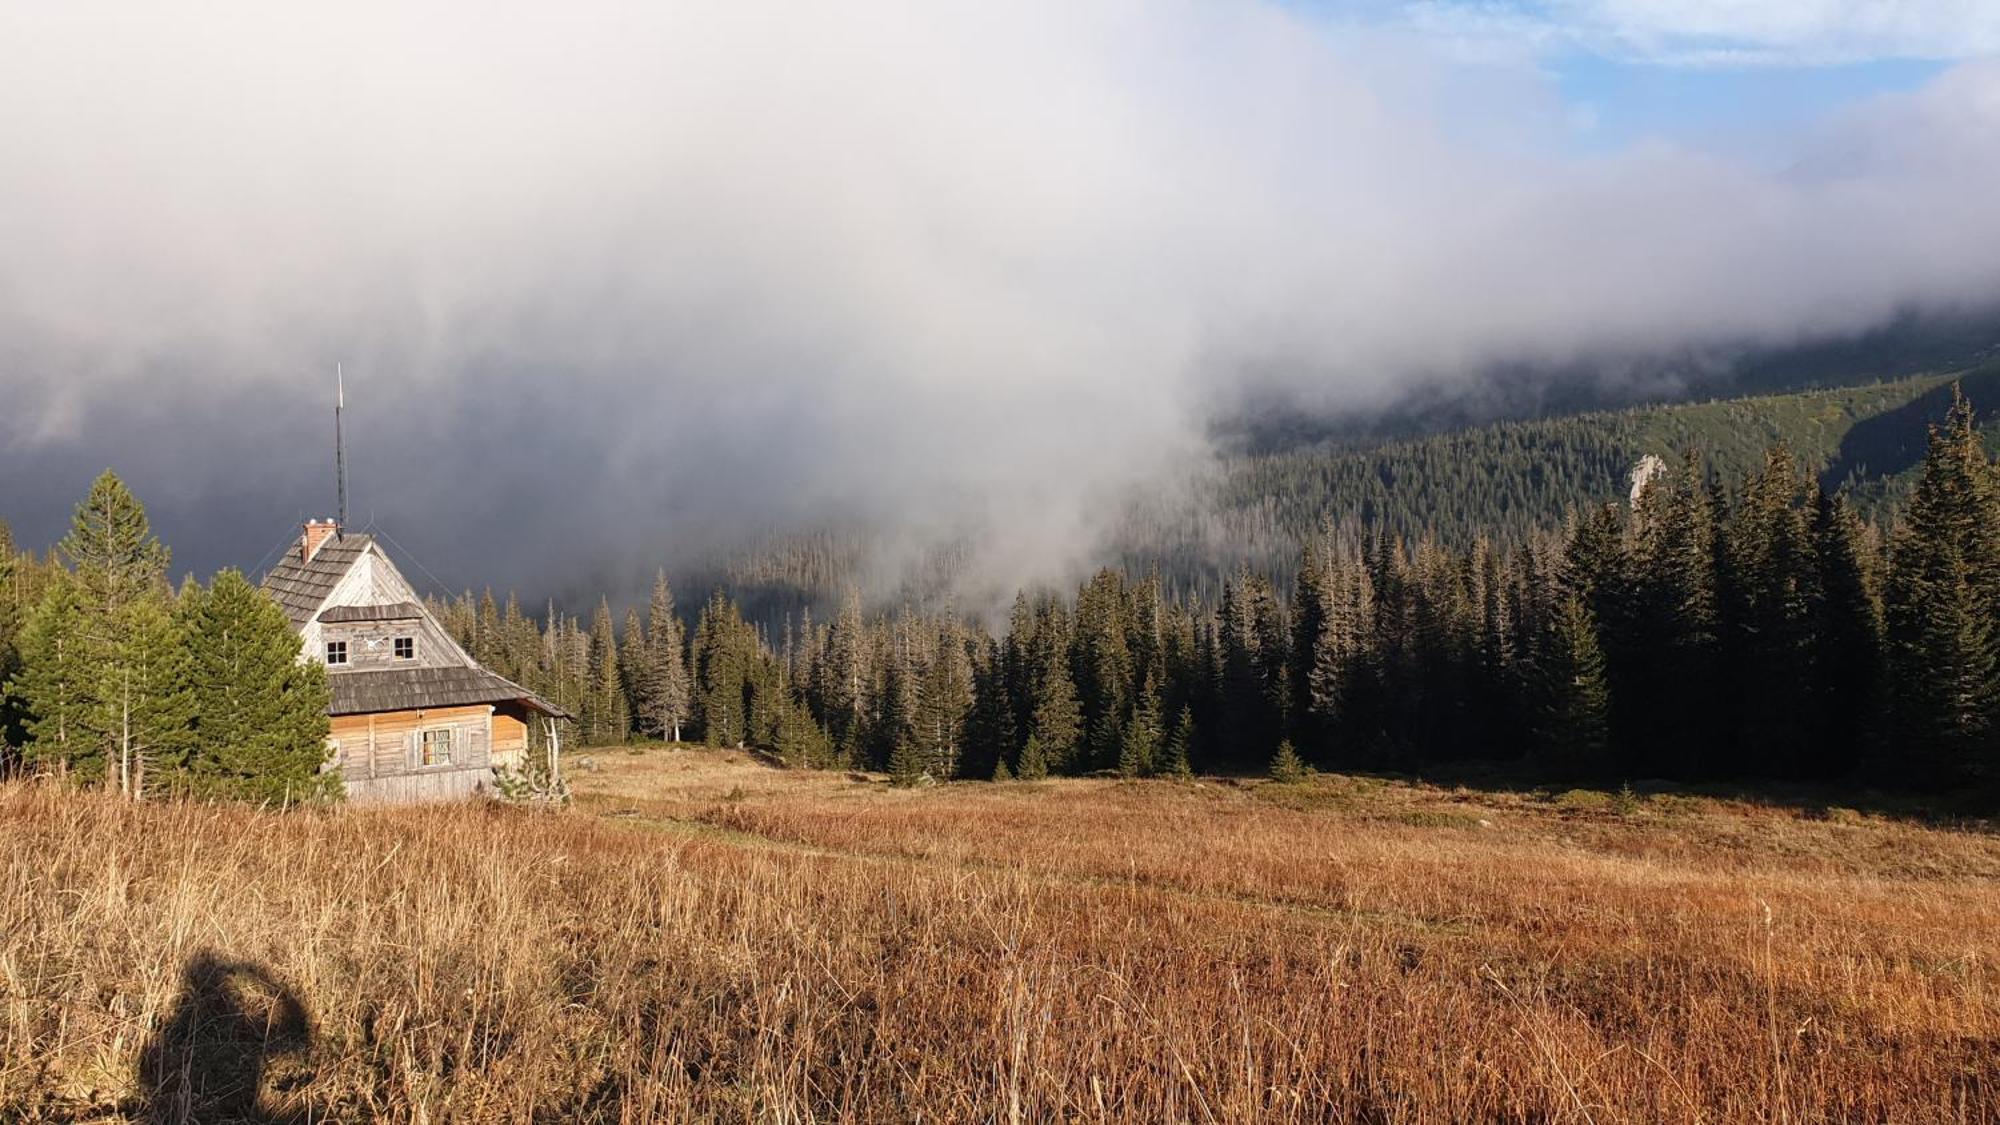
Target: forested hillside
{"x": 1498, "y": 481}
{"x": 1723, "y": 625}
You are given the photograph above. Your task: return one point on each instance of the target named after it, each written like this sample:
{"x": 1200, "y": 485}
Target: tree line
{"x": 110, "y": 677}
{"x": 1755, "y": 629}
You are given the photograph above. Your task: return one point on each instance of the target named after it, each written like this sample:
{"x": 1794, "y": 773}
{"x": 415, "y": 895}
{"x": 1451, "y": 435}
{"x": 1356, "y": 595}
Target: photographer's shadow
{"x": 235, "y": 1030}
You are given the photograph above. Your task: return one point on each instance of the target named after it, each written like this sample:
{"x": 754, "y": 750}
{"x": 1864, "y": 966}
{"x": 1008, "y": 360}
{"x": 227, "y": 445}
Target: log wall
{"x": 380, "y": 754}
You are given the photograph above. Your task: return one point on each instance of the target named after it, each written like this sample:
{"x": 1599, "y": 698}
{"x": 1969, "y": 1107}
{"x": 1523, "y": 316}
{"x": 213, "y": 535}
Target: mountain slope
{"x": 1504, "y": 480}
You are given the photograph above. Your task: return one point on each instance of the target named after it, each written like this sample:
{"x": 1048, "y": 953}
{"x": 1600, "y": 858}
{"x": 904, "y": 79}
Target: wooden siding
{"x": 510, "y": 740}
{"x": 433, "y": 648}
{"x": 372, "y": 580}
{"x": 420, "y": 788}
{"x": 378, "y": 748}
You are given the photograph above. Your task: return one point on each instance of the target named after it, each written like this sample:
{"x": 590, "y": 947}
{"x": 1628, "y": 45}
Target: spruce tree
{"x": 1103, "y": 665}
{"x": 1140, "y": 750}
{"x": 606, "y": 721}
{"x": 111, "y": 551}
{"x": 1846, "y": 627}
{"x": 1670, "y": 652}
{"x": 944, "y": 706}
{"x": 1177, "y": 761}
{"x": 634, "y": 650}
{"x": 991, "y": 735}
{"x": 1057, "y": 728}
{"x": 906, "y": 763}
{"x": 801, "y": 742}
{"x": 1938, "y": 609}
{"x": 149, "y": 696}
{"x": 1768, "y": 595}
{"x": 848, "y": 676}
{"x": 1285, "y": 763}
{"x": 667, "y": 687}
{"x": 260, "y": 725}
{"x": 722, "y": 672}
{"x": 57, "y": 686}
{"x": 1250, "y": 717}
{"x": 11, "y": 614}
{"x": 1572, "y": 737}
{"x": 118, "y": 570}
{"x": 1034, "y": 763}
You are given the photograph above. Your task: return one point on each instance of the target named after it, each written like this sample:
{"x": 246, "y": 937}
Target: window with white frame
{"x": 435, "y": 749}
{"x": 336, "y": 652}
{"x": 406, "y": 648}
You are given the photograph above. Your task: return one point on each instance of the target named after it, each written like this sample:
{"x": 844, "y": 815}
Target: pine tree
{"x": 260, "y": 725}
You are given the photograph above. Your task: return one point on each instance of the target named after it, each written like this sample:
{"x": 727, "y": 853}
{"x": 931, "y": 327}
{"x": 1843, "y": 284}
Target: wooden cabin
{"x": 414, "y": 717}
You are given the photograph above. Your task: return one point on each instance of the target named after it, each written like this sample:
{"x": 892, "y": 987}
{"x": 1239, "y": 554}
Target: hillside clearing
{"x": 705, "y": 937}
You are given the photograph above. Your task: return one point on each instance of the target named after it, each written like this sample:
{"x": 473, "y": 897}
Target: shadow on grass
{"x": 1969, "y": 809}
{"x": 235, "y": 1030}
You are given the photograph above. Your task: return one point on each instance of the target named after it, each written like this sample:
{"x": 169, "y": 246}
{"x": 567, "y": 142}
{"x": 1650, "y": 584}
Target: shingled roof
{"x": 410, "y": 689}
{"x": 394, "y": 611}
{"x": 302, "y": 587}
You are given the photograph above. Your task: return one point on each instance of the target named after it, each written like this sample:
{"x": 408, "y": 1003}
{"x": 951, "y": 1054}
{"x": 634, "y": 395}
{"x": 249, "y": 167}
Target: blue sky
{"x": 1696, "y": 71}
{"x": 1616, "y": 102}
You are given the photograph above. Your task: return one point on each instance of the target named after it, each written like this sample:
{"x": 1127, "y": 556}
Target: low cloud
{"x": 619, "y": 284}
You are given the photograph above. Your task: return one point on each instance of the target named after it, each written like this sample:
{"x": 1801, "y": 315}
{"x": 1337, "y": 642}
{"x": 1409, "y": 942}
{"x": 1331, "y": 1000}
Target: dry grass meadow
{"x": 705, "y": 938}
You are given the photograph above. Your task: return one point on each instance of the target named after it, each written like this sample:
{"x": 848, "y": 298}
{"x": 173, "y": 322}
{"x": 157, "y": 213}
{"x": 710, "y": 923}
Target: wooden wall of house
{"x": 510, "y": 736}
{"x": 433, "y": 649}
{"x": 420, "y": 788}
{"x": 375, "y": 748}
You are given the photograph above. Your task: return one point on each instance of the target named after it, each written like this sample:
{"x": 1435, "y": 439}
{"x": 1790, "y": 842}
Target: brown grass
{"x": 706, "y": 938}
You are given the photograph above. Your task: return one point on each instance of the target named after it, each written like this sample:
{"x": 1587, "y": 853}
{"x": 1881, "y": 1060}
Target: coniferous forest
{"x": 1749, "y": 627}
{"x": 1744, "y": 630}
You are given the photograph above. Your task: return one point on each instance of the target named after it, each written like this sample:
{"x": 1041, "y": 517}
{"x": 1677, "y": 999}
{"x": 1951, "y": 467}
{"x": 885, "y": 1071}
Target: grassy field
{"x": 705, "y": 938}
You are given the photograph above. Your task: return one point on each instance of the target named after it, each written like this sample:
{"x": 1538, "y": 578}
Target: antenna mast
{"x": 339, "y": 446}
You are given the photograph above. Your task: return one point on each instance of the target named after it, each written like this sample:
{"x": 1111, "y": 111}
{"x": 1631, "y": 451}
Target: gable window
{"x": 406, "y": 648}
{"x": 336, "y": 652}
{"x": 436, "y": 748}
